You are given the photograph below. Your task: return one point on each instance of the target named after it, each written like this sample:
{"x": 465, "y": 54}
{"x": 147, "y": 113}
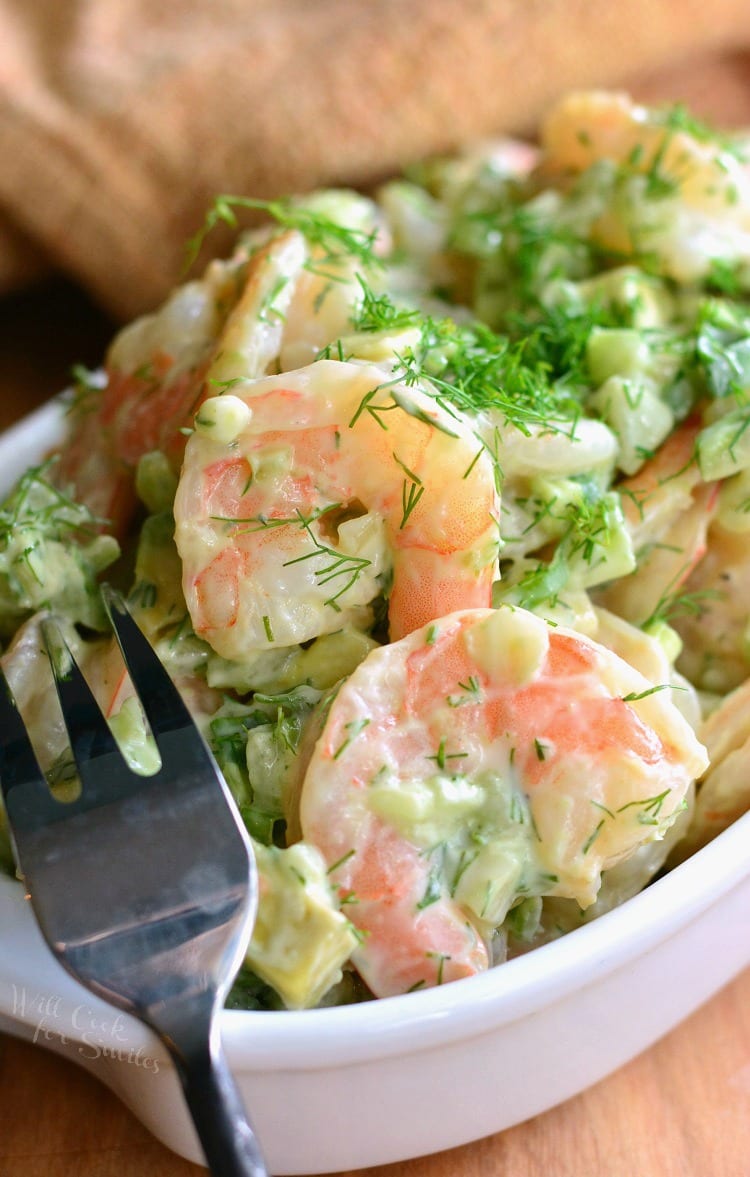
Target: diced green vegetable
{"x": 51, "y": 553}
{"x": 723, "y": 448}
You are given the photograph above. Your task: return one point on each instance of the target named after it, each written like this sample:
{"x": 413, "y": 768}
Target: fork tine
{"x": 88, "y": 731}
{"x": 162, "y": 702}
{"x": 28, "y": 800}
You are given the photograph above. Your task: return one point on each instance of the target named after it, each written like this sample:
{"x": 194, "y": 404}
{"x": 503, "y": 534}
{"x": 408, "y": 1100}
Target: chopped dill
{"x": 340, "y": 565}
{"x": 377, "y": 312}
{"x": 36, "y": 502}
{"x": 353, "y": 729}
{"x": 335, "y": 240}
{"x": 442, "y": 757}
{"x": 636, "y": 696}
{"x": 144, "y": 594}
{"x": 648, "y": 809}
{"x": 475, "y": 370}
{"x": 411, "y": 492}
{"x": 441, "y": 958}
{"x": 340, "y": 861}
{"x": 677, "y": 117}
{"x": 672, "y": 605}
{"x": 592, "y": 837}
{"x": 433, "y": 890}
{"x": 588, "y": 524}
{"x": 471, "y": 693}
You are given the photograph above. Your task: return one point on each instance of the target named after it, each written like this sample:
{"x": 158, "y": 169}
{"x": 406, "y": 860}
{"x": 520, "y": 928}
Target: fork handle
{"x": 229, "y": 1143}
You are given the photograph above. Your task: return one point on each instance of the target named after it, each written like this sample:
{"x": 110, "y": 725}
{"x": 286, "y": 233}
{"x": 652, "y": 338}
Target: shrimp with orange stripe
{"x": 668, "y": 509}
{"x": 311, "y": 494}
{"x": 269, "y": 308}
{"x": 482, "y": 759}
{"x": 681, "y": 195}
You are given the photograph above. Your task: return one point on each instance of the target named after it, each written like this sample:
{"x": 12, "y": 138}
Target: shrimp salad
{"x": 435, "y": 502}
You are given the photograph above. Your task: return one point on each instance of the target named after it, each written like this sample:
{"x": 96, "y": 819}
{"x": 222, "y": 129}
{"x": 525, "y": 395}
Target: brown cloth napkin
{"x": 121, "y": 119}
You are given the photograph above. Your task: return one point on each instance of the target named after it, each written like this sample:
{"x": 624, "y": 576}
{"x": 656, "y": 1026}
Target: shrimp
{"x": 297, "y": 299}
{"x": 150, "y": 387}
{"x": 252, "y": 336}
{"x": 328, "y": 483}
{"x": 247, "y": 317}
{"x": 585, "y": 127}
{"x": 648, "y": 655}
{"x": 715, "y": 632}
{"x": 484, "y": 758}
{"x": 724, "y": 793}
{"x": 113, "y": 688}
{"x": 668, "y": 510}
{"x": 27, "y": 672}
{"x": 692, "y": 203}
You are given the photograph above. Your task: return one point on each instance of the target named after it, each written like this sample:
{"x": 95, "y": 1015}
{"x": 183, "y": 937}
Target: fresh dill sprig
{"x": 588, "y": 523}
{"x": 593, "y": 836}
{"x": 336, "y": 241}
{"x": 554, "y": 338}
{"x": 36, "y": 502}
{"x": 340, "y": 564}
{"x": 674, "y": 604}
{"x": 636, "y": 696}
{"x": 412, "y": 490}
{"x": 433, "y": 890}
{"x": 677, "y": 117}
{"x": 353, "y": 729}
{"x": 471, "y": 693}
{"x": 377, "y": 312}
{"x": 442, "y": 757}
{"x": 648, "y": 808}
{"x": 474, "y": 370}
{"x": 467, "y": 368}
{"x": 523, "y": 244}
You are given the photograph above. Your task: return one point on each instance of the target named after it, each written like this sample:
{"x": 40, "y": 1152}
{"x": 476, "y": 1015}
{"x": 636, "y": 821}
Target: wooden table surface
{"x": 680, "y": 1110}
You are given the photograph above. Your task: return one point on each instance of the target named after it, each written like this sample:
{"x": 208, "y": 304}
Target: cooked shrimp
{"x": 247, "y": 317}
{"x": 160, "y": 367}
{"x": 668, "y": 510}
{"x": 151, "y": 387}
{"x": 483, "y": 758}
{"x": 724, "y": 793}
{"x": 113, "y": 687}
{"x": 716, "y": 632}
{"x": 586, "y": 127}
{"x": 295, "y": 301}
{"x": 648, "y": 655}
{"x": 250, "y": 341}
{"x": 33, "y": 691}
{"x": 693, "y": 205}
{"x": 300, "y": 501}
{"x": 558, "y": 449}
{"x": 27, "y": 671}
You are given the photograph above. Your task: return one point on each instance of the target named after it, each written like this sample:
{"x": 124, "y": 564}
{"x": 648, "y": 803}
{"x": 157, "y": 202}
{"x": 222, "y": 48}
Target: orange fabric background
{"x": 120, "y": 119}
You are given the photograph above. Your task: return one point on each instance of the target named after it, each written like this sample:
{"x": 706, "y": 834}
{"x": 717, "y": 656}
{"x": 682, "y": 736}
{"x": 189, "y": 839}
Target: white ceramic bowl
{"x": 365, "y": 1085}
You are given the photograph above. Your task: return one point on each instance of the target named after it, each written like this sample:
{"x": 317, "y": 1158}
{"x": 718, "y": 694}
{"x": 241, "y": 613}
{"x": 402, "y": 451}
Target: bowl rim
{"x": 393, "y": 1026}
{"x": 509, "y": 992}
{"x": 304, "y": 1040}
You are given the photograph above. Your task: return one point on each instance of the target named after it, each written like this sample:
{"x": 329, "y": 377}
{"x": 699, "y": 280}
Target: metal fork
{"x": 145, "y": 888}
